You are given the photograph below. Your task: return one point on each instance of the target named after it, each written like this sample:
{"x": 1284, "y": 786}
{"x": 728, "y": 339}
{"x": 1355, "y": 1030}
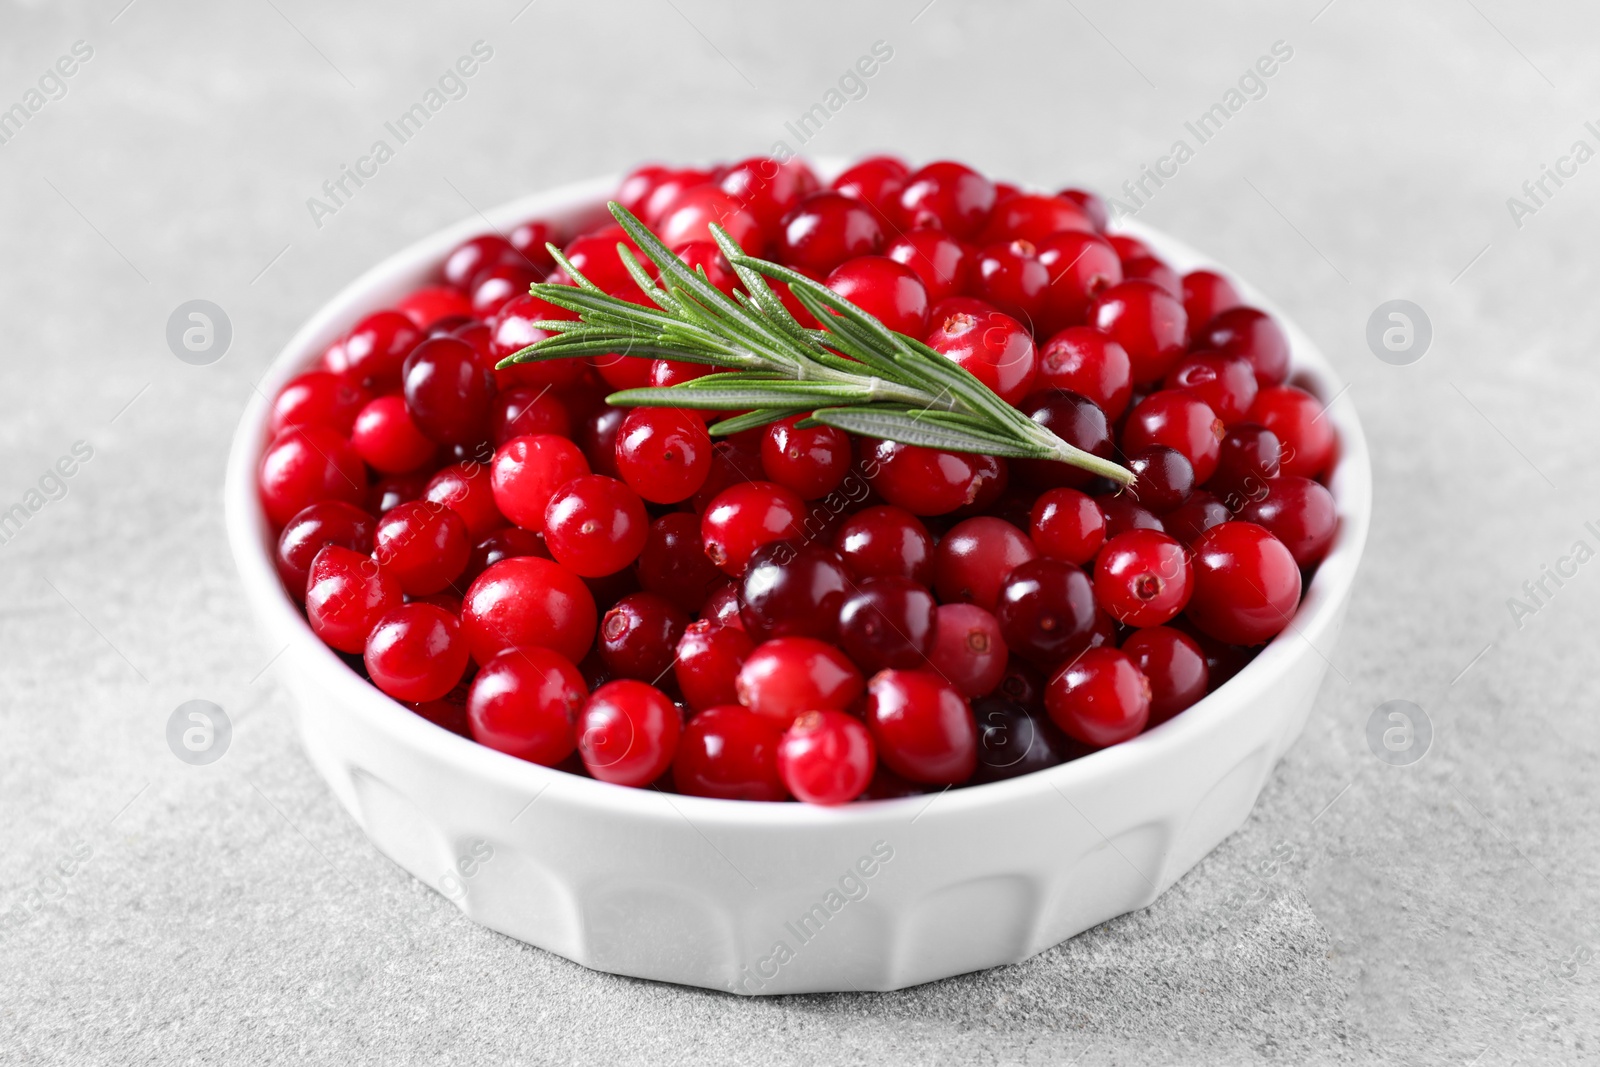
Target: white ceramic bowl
{"x": 787, "y": 898}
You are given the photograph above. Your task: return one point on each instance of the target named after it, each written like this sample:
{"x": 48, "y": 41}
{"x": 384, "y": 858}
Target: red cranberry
{"x": 1082, "y": 360}
{"x": 668, "y": 187}
{"x": 722, "y": 605}
{"x": 639, "y": 183}
{"x": 512, "y": 329}
{"x": 595, "y": 525}
{"x": 318, "y": 398}
{"x": 1178, "y": 420}
{"x": 306, "y": 465}
{"x": 975, "y": 557}
{"x": 1298, "y": 420}
{"x": 639, "y": 636}
{"x": 694, "y": 211}
{"x": 793, "y": 588}
{"x": 768, "y": 187}
{"x": 1013, "y": 741}
{"x": 524, "y": 411}
{"x": 473, "y": 255}
{"x": 664, "y": 454}
{"x": 877, "y": 180}
{"x": 1244, "y": 331}
{"x": 628, "y": 733}
{"x": 465, "y": 489}
{"x": 1201, "y": 512}
{"x": 376, "y": 348}
{"x": 496, "y": 286}
{"x": 529, "y": 241}
{"x": 1100, "y": 699}
{"x": 707, "y": 663}
{"x": 1147, "y": 321}
{"x": 525, "y": 703}
{"x": 968, "y": 650}
{"x": 387, "y": 438}
{"x": 1143, "y": 578}
{"x": 526, "y": 473}
{"x": 416, "y": 652}
{"x": 1034, "y": 217}
{"x": 1011, "y": 277}
{"x": 812, "y": 462}
{"x": 1300, "y": 513}
{"x": 424, "y": 545}
{"x": 825, "y": 229}
{"x": 882, "y": 540}
{"x": 884, "y": 289}
{"x": 1128, "y": 247}
{"x": 826, "y": 757}
{"x": 595, "y": 257}
{"x": 1047, "y": 611}
{"x": 994, "y": 347}
{"x": 331, "y": 522}
{"x": 1226, "y": 383}
{"x": 346, "y": 594}
{"x": 673, "y": 562}
{"x": 1246, "y": 584}
{"x": 1162, "y": 478}
{"x": 888, "y": 622}
{"x": 525, "y": 600}
{"x": 434, "y": 303}
{"x": 1248, "y": 455}
{"x": 1207, "y": 294}
{"x": 744, "y": 517}
{"x": 1078, "y": 421}
{"x": 790, "y": 675}
{"x": 1174, "y": 666}
{"x": 922, "y": 726}
{"x": 449, "y": 390}
{"x": 940, "y": 261}
{"x": 1123, "y": 513}
{"x": 1151, "y": 269}
{"x": 947, "y": 196}
{"x": 1067, "y": 525}
{"x": 1092, "y": 205}
{"x": 707, "y": 257}
{"x": 926, "y": 481}
{"x": 1022, "y": 684}
{"x": 733, "y": 462}
{"x": 729, "y": 753}
{"x": 1080, "y": 267}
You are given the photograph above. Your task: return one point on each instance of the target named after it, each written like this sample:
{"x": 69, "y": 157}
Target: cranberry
{"x": 331, "y": 522}
{"x": 594, "y": 255}
{"x": 526, "y": 473}
{"x": 1300, "y": 513}
{"x": 1047, "y": 611}
{"x": 694, "y": 211}
{"x": 597, "y": 436}
{"x": 1248, "y": 455}
{"x": 673, "y": 563}
{"x": 473, "y": 255}
{"x": 707, "y": 663}
{"x": 387, "y": 438}
{"x": 947, "y": 196}
{"x": 512, "y": 329}
{"x": 496, "y": 286}
{"x": 525, "y": 600}
{"x": 793, "y": 588}
{"x": 498, "y": 545}
{"x": 639, "y": 636}
{"x": 1173, "y": 664}
{"x": 424, "y": 545}
{"x": 940, "y": 261}
{"x": 1013, "y": 741}
{"x": 722, "y": 605}
{"x": 768, "y": 187}
{"x": 1201, "y": 512}
{"x": 664, "y": 454}
{"x": 744, "y": 517}
{"x": 926, "y": 481}
{"x": 1151, "y": 269}
{"x": 1078, "y": 421}
{"x": 922, "y": 726}
{"x": 707, "y": 258}
{"x": 1178, "y": 420}
{"x": 1128, "y": 247}
{"x": 396, "y": 489}
{"x": 449, "y": 390}
{"x": 826, "y": 757}
{"x": 1011, "y": 277}
{"x": 883, "y": 540}
{"x": 465, "y": 489}
{"x": 449, "y": 712}
{"x": 789, "y": 675}
{"x": 1100, "y": 699}
{"x": 305, "y": 465}
{"x": 975, "y": 557}
{"x": 1022, "y": 684}
{"x": 825, "y": 229}
{"x": 621, "y": 371}
{"x": 1093, "y": 207}
{"x": 1082, "y": 360}
{"x": 888, "y": 622}
{"x": 668, "y": 187}
{"x": 433, "y": 304}
{"x": 1080, "y": 266}
{"x": 529, "y": 241}
{"x": 525, "y": 702}
{"x": 729, "y": 753}
{"x": 1143, "y": 578}
{"x": 994, "y": 347}
{"x": 1296, "y": 417}
{"x": 1162, "y": 478}
{"x": 318, "y": 398}
{"x": 416, "y": 652}
{"x": 1123, "y": 513}
{"x": 639, "y": 183}
{"x": 733, "y": 462}
{"x": 628, "y": 733}
{"x": 1033, "y": 217}
{"x": 877, "y": 180}
{"x": 1247, "y": 332}
{"x": 1067, "y": 525}
{"x": 968, "y": 650}
{"x": 595, "y": 525}
{"x": 523, "y": 411}
{"x": 812, "y": 462}
{"x": 1147, "y": 321}
{"x": 1246, "y": 584}
{"x": 376, "y": 348}
{"x": 1207, "y": 294}
{"x": 1226, "y": 383}
{"x": 346, "y": 593}
{"x": 890, "y": 292}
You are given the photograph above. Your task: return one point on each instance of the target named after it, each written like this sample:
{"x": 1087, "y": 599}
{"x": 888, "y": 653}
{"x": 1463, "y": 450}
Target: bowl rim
{"x": 249, "y": 535}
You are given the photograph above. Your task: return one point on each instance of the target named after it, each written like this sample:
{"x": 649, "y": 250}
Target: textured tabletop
{"x": 156, "y": 152}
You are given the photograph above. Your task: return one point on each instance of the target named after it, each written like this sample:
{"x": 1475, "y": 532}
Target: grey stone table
{"x": 155, "y": 912}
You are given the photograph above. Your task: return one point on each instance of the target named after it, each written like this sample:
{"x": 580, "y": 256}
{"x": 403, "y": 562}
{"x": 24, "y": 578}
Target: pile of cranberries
{"x": 796, "y": 612}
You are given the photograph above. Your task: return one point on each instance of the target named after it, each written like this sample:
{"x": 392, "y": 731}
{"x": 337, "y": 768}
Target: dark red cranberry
{"x": 1247, "y": 332}
{"x": 1226, "y": 383}
{"x": 733, "y": 462}
{"x": 926, "y": 481}
{"x": 994, "y": 347}
{"x": 968, "y": 650}
{"x": 1079, "y": 422}
{"x": 1247, "y": 457}
{"x": 882, "y": 540}
{"x": 523, "y": 411}
{"x": 974, "y": 558}
{"x": 1162, "y": 478}
{"x": 827, "y": 757}
{"x": 639, "y": 636}
{"x": 525, "y": 703}
{"x": 1300, "y": 513}
{"x": 825, "y": 229}
{"x": 1246, "y": 584}
{"x": 793, "y": 589}
{"x": 416, "y": 652}
{"x": 1201, "y": 512}
{"x": 1022, "y": 683}
{"x": 1173, "y": 664}
{"x": 1047, "y": 611}
{"x": 1181, "y": 421}
{"x": 947, "y": 196}
{"x": 940, "y": 261}
{"x": 722, "y": 605}
{"x": 922, "y": 726}
{"x": 331, "y": 522}
{"x": 1013, "y": 741}
{"x": 1207, "y": 294}
{"x": 888, "y": 622}
{"x": 786, "y": 676}
{"x": 1123, "y": 513}
{"x": 1300, "y": 421}
{"x": 597, "y": 437}
{"x": 1147, "y": 321}
{"x": 628, "y": 732}
{"x": 501, "y": 544}
{"x": 395, "y": 489}
{"x": 1082, "y": 360}
{"x": 673, "y": 562}
{"x": 449, "y": 389}
{"x": 709, "y": 656}
{"x": 729, "y": 753}
{"x": 890, "y": 292}
{"x": 1100, "y": 699}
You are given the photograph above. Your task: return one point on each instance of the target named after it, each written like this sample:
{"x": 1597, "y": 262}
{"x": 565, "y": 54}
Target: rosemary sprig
{"x": 892, "y": 386}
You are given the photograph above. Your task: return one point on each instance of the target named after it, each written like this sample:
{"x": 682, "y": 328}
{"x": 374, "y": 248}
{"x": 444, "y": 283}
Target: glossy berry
{"x": 947, "y": 196}
{"x": 826, "y": 757}
{"x": 968, "y": 651}
{"x": 722, "y": 604}
{"x": 424, "y": 545}
{"x": 1226, "y": 383}
{"x": 597, "y": 434}
{"x": 1151, "y": 269}
{"x": 628, "y": 733}
{"x": 1079, "y": 267}
{"x": 473, "y": 255}
{"x": 346, "y": 593}
{"x": 1082, "y": 360}
{"x": 526, "y": 600}
{"x": 394, "y": 489}
{"x": 639, "y": 636}
{"x": 922, "y": 727}
{"x": 884, "y": 289}
{"x": 708, "y": 259}
{"x": 306, "y": 465}
{"x": 1067, "y": 525}
{"x": 788, "y": 675}
{"x": 825, "y": 229}
{"x": 694, "y": 211}
{"x": 388, "y": 439}
{"x": 767, "y": 188}
{"x": 888, "y": 622}
{"x": 974, "y": 558}
{"x": 1013, "y": 741}
{"x": 318, "y": 398}
{"x": 525, "y": 703}
{"x": 1247, "y": 457}
{"x": 501, "y": 544}
{"x": 1246, "y": 584}
{"x": 883, "y": 540}
{"x": 331, "y": 522}
{"x": 729, "y": 753}
{"x": 877, "y": 180}
{"x": 663, "y": 454}
{"x": 1247, "y": 332}
{"x": 994, "y": 347}
{"x": 416, "y": 652}
{"x": 940, "y": 261}
{"x": 1162, "y": 478}
{"x": 1147, "y": 321}
{"x": 673, "y": 562}
{"x": 1207, "y": 294}
{"x": 1143, "y": 578}
{"x": 466, "y": 488}
{"x": 707, "y": 662}
{"x": 742, "y": 518}
{"x": 1093, "y": 207}
{"x": 1011, "y": 277}
{"x": 926, "y": 481}
{"x": 449, "y": 389}
{"x": 1101, "y": 699}
{"x": 1301, "y": 424}
{"x": 595, "y": 256}
{"x": 1047, "y": 611}
{"x": 1123, "y": 513}
{"x": 793, "y": 588}
{"x": 1173, "y": 664}
{"x": 512, "y": 329}
{"x": 1180, "y": 421}
{"x": 526, "y": 473}
{"x": 523, "y": 411}
{"x": 376, "y": 349}
{"x": 1033, "y": 217}
{"x": 494, "y": 287}
{"x": 434, "y": 303}
{"x": 812, "y": 461}
{"x": 1197, "y": 515}
{"x": 528, "y": 240}
{"x": 639, "y": 183}
{"x": 1079, "y": 422}
{"x": 595, "y": 525}
{"x": 1300, "y": 513}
